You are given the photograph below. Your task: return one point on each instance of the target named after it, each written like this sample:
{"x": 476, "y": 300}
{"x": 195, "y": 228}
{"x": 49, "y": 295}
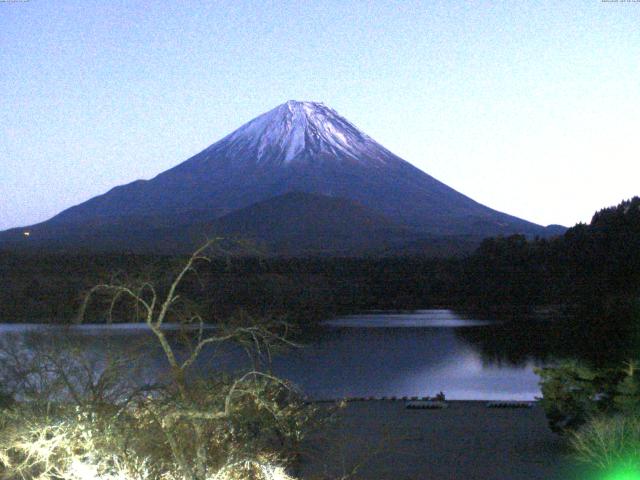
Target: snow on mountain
{"x": 286, "y": 133}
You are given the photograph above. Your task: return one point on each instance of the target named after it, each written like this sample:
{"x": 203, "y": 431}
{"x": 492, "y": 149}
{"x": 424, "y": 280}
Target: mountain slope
{"x": 299, "y": 223}
{"x": 297, "y": 146}
{"x": 295, "y": 223}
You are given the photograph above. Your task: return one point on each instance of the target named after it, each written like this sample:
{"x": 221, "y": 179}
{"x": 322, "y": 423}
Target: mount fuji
{"x": 292, "y": 176}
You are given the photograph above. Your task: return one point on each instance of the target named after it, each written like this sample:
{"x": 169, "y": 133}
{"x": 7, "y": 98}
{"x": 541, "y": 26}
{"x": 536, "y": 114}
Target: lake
{"x": 378, "y": 354}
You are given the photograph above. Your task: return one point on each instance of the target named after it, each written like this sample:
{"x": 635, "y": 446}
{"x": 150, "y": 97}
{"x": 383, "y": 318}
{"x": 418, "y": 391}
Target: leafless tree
{"x": 191, "y": 412}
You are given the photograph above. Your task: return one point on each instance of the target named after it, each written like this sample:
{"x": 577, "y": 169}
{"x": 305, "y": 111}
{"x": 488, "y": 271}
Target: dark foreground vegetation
{"x": 600, "y": 260}
{"x": 65, "y": 415}
{"x": 588, "y": 280}
{"x": 592, "y": 265}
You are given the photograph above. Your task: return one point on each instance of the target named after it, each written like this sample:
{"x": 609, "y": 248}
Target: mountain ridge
{"x": 295, "y": 147}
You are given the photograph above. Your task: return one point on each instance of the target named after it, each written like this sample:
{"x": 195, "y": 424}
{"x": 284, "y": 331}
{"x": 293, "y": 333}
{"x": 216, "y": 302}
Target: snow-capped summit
{"x": 294, "y": 130}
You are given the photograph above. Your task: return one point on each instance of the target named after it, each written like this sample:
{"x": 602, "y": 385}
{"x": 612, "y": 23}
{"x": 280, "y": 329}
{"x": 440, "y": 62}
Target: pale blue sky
{"x": 530, "y": 107}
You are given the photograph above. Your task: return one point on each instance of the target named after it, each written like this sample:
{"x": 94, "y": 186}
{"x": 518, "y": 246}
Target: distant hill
{"x": 309, "y": 224}
{"x": 299, "y": 223}
{"x": 293, "y": 224}
{"x": 246, "y": 184}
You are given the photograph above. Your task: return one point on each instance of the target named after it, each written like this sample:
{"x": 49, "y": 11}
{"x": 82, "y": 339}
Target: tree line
{"x": 599, "y": 261}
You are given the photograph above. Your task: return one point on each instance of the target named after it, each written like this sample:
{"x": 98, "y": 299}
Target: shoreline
{"x": 420, "y": 399}
{"x": 384, "y": 440}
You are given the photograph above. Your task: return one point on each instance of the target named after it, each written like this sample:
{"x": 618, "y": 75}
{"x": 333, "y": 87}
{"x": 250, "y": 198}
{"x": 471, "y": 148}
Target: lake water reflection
{"x": 408, "y": 354}
{"x": 376, "y": 354}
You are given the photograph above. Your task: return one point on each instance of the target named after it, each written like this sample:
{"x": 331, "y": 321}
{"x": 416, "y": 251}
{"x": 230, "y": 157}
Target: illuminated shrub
{"x": 50, "y": 442}
{"x": 609, "y": 443}
{"x": 80, "y": 420}
{"x": 599, "y": 411}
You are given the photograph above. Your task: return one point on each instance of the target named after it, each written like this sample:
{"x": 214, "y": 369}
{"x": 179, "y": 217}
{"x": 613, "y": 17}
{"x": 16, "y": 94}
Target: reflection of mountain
{"x": 413, "y": 319}
{"x": 343, "y": 362}
{"x": 597, "y": 334}
{"x": 401, "y": 362}
{"x": 510, "y": 344}
{"x": 370, "y": 361}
